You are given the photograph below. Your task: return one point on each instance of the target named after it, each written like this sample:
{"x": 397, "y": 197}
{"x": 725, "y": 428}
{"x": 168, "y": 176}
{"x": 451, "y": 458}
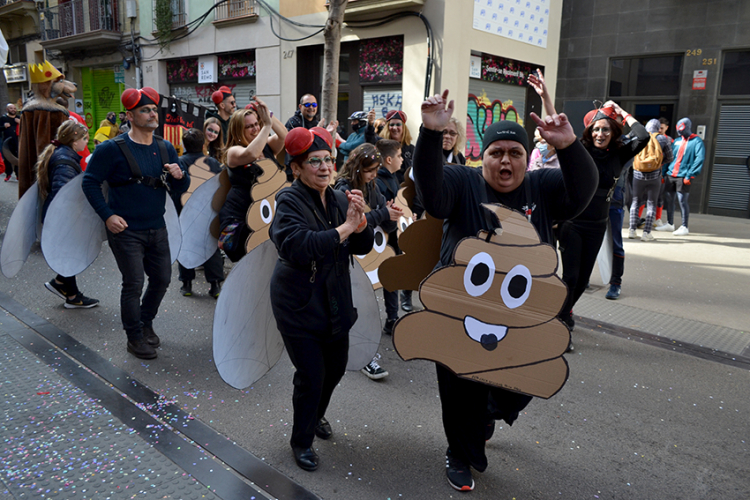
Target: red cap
{"x": 298, "y": 140}
{"x": 396, "y": 114}
{"x": 135, "y": 98}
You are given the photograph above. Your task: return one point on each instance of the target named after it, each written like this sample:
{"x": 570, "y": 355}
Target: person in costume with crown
{"x": 41, "y": 116}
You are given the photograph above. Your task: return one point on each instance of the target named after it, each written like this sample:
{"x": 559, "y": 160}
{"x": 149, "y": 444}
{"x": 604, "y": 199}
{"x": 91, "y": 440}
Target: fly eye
{"x": 380, "y": 240}
{"x": 479, "y": 274}
{"x": 516, "y": 286}
{"x": 266, "y": 212}
{"x": 404, "y": 222}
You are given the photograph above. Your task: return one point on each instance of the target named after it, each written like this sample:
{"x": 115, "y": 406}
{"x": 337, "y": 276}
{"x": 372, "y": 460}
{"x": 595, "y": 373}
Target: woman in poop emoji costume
{"x": 456, "y": 193}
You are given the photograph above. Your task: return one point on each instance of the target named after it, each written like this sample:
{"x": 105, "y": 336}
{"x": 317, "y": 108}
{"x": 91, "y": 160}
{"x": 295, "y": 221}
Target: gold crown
{"x": 45, "y": 72}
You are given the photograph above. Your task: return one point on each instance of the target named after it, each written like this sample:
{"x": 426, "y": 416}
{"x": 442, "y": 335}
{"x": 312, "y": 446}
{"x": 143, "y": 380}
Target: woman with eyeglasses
{"x": 214, "y": 146}
{"x": 396, "y": 129}
{"x": 581, "y": 238}
{"x": 454, "y": 139}
{"x": 315, "y": 230}
{"x": 249, "y": 140}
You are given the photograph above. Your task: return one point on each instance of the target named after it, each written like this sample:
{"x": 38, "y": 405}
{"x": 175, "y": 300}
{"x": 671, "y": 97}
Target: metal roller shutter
{"x": 200, "y": 93}
{"x": 730, "y": 178}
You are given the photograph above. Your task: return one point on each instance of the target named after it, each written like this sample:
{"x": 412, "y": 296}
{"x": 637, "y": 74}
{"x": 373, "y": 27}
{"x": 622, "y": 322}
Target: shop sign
{"x": 16, "y": 73}
{"x": 207, "y": 66}
{"x": 498, "y": 69}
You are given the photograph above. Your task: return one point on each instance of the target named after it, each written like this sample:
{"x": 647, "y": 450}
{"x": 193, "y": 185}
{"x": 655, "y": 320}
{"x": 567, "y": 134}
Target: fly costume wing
{"x": 174, "y": 233}
{"x": 219, "y": 198}
{"x": 198, "y": 244}
{"x": 21, "y": 233}
{"x": 364, "y": 337}
{"x": 247, "y": 342}
{"x": 73, "y": 232}
{"x": 604, "y": 258}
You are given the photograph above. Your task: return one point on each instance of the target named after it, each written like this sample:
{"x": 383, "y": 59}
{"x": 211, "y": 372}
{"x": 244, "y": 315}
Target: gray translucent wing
{"x": 73, "y": 232}
{"x": 247, "y": 342}
{"x": 21, "y": 233}
{"x": 364, "y": 337}
{"x": 605, "y": 257}
{"x": 198, "y": 245}
{"x": 174, "y": 232}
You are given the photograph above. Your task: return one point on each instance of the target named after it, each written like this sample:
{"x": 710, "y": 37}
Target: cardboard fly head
{"x": 371, "y": 262}
{"x": 493, "y": 309}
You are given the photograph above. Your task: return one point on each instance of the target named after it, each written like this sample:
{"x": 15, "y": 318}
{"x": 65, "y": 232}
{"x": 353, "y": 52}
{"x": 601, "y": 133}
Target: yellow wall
{"x": 293, "y": 8}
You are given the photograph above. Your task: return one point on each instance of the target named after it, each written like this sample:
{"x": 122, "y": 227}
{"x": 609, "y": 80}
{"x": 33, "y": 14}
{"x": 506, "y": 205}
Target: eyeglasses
{"x": 310, "y": 104}
{"x": 450, "y": 133}
{"x": 398, "y": 125}
{"x": 601, "y": 130}
{"x": 145, "y": 110}
{"x": 316, "y": 162}
{"x": 212, "y": 131}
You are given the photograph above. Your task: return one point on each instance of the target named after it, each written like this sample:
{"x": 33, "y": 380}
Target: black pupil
{"x": 379, "y": 238}
{"x": 480, "y": 274}
{"x": 266, "y": 212}
{"x": 517, "y": 286}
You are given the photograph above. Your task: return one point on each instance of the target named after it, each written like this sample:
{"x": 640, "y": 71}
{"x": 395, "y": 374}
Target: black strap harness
{"x": 136, "y": 177}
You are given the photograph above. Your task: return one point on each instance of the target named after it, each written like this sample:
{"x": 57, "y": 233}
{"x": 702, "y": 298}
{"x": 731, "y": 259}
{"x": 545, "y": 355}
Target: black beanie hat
{"x": 505, "y": 130}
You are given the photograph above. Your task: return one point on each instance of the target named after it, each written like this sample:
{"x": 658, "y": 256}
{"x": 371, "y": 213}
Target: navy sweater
{"x": 141, "y": 206}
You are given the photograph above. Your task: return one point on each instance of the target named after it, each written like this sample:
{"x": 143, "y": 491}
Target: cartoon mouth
{"x": 487, "y": 334}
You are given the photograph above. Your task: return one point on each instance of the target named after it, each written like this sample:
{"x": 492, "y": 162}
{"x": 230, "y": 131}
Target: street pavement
{"x": 648, "y": 411}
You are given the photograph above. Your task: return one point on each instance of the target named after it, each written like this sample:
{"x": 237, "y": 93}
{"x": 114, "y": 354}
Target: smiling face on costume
{"x": 396, "y": 129}
{"x": 504, "y": 165}
{"x": 252, "y": 127}
{"x": 601, "y": 133}
{"x": 317, "y": 178}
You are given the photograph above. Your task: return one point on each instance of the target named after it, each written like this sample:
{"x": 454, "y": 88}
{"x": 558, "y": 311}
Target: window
{"x": 645, "y": 76}
{"x": 735, "y": 73}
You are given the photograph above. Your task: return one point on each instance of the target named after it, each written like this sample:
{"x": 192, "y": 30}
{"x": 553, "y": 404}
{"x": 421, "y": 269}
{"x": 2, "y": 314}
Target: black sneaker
{"x": 186, "y": 289}
{"x": 56, "y": 288}
{"x": 141, "y": 349}
{"x": 215, "y": 289}
{"x": 388, "y": 328}
{"x": 373, "y": 369}
{"x": 151, "y": 337}
{"x": 80, "y": 301}
{"x": 459, "y": 474}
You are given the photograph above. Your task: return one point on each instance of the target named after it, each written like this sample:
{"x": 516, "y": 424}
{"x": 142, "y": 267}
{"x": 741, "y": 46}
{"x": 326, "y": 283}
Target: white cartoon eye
{"x": 380, "y": 240}
{"x": 479, "y": 274}
{"x": 404, "y": 222}
{"x": 266, "y": 212}
{"x": 516, "y": 286}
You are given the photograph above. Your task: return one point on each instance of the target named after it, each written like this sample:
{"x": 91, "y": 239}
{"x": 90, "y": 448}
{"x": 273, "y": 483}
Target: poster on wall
{"x": 525, "y": 21}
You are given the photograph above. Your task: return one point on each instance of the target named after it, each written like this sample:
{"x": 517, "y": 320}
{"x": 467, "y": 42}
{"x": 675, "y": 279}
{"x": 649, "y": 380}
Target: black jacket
{"x": 387, "y": 183}
{"x": 455, "y": 193}
{"x": 64, "y": 164}
{"x": 297, "y": 120}
{"x": 311, "y": 289}
{"x": 378, "y": 214}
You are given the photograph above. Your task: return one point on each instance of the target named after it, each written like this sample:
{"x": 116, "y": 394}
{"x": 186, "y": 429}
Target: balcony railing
{"x": 78, "y": 17}
{"x": 236, "y": 9}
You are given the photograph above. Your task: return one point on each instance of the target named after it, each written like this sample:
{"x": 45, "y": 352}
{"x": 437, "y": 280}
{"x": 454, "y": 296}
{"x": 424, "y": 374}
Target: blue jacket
{"x": 354, "y": 140}
{"x": 64, "y": 164}
{"x": 692, "y": 159}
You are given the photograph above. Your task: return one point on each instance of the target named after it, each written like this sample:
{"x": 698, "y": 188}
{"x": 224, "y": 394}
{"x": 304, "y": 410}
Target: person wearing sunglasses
{"x": 305, "y": 116}
{"x": 315, "y": 230}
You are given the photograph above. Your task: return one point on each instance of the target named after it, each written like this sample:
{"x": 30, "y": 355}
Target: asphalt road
{"x": 633, "y": 422}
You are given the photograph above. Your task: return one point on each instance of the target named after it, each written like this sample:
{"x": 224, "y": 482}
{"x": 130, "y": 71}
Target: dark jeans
{"x": 616, "y": 218}
{"x": 213, "y": 268}
{"x": 675, "y": 186}
{"x": 320, "y": 362}
{"x": 136, "y": 253}
{"x": 579, "y": 246}
{"x": 468, "y": 407}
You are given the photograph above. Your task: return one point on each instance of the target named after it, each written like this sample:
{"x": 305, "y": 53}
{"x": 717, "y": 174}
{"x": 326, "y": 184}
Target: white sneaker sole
{"x": 53, "y": 290}
{"x": 374, "y": 376}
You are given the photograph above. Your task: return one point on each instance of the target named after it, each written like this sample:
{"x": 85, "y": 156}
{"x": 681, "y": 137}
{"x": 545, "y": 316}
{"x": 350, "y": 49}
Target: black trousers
{"x": 70, "y": 284}
{"x": 320, "y": 362}
{"x": 213, "y": 268}
{"x": 579, "y": 246}
{"x": 468, "y": 407}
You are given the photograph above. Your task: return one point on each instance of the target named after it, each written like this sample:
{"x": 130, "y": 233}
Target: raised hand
{"x": 556, "y": 130}
{"x": 437, "y": 111}
{"x": 537, "y": 83}
{"x": 264, "y": 115}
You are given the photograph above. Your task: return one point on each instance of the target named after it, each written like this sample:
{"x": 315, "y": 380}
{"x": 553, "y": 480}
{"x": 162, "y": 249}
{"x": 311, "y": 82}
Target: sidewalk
{"x": 688, "y": 289}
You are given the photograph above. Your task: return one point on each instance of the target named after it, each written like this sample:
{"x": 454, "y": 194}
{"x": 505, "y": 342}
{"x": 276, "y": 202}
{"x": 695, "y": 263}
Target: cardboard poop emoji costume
{"x": 491, "y": 315}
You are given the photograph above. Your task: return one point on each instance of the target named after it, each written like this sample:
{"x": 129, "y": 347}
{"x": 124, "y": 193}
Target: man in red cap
{"x": 140, "y": 169}
{"x": 226, "y": 104}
